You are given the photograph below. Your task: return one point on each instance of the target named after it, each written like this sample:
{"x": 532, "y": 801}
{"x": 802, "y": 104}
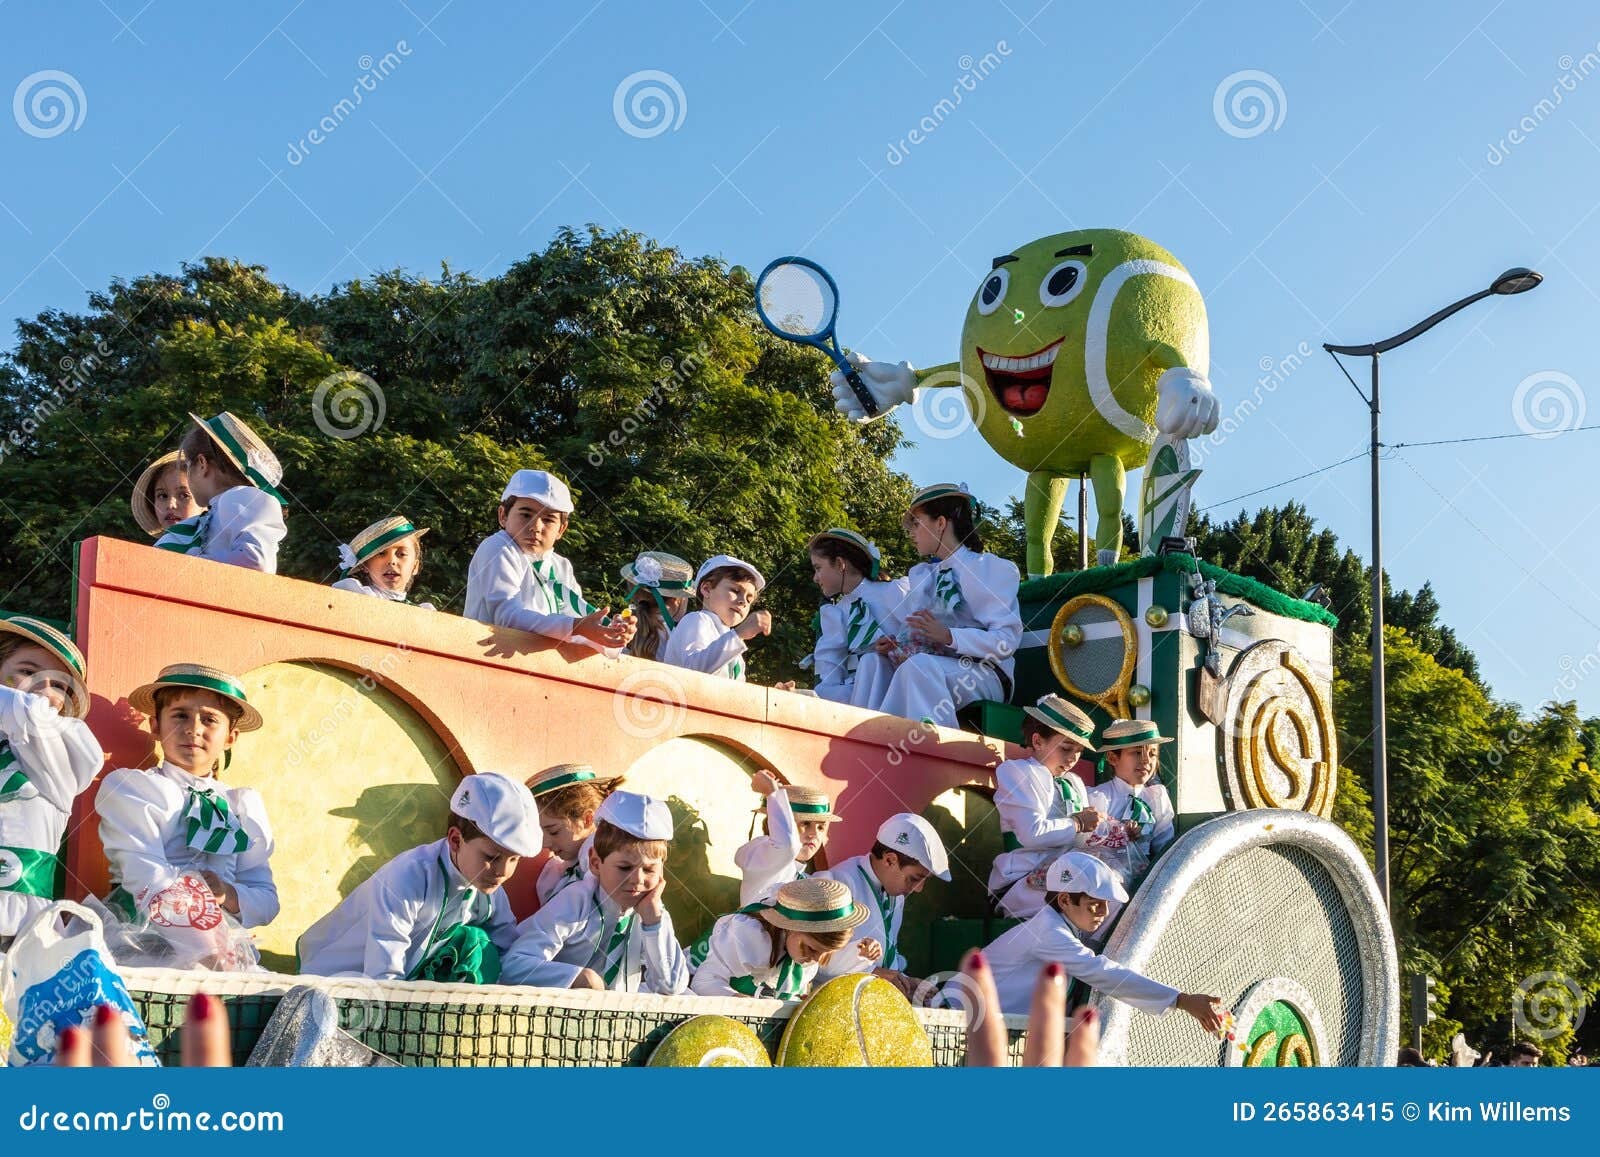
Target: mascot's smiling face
{"x": 1055, "y": 370}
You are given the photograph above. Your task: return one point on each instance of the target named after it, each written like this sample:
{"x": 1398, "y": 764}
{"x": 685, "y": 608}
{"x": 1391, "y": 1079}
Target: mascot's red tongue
{"x": 1022, "y": 391}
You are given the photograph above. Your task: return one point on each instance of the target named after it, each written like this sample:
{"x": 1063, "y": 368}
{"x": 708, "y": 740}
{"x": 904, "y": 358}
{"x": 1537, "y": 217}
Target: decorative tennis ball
{"x": 855, "y": 1021}
{"x": 711, "y": 1042}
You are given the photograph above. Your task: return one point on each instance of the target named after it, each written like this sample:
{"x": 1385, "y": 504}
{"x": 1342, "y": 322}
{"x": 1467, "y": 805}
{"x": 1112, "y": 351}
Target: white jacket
{"x": 703, "y": 642}
{"x": 558, "y": 873}
{"x": 504, "y": 590}
{"x": 383, "y": 928}
{"x": 857, "y": 874}
{"x": 835, "y": 658}
{"x": 738, "y": 963}
{"x": 1034, "y": 811}
{"x": 768, "y": 862}
{"x": 1017, "y": 956}
{"x": 242, "y": 527}
{"x": 986, "y": 624}
{"x": 564, "y": 937}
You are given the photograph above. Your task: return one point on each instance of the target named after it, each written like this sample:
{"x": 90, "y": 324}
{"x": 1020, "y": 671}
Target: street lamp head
{"x": 1518, "y": 280}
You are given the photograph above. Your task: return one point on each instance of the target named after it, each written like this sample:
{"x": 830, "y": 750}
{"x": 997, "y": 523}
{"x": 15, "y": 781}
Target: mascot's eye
{"x": 1062, "y": 283}
{"x": 993, "y": 291}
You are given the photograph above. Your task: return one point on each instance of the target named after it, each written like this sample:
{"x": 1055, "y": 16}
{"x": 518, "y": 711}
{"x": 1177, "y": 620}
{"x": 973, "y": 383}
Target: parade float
{"x": 1083, "y": 354}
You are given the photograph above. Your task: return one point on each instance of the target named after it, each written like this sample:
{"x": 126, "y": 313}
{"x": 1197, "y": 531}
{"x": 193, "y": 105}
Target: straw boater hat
{"x": 565, "y": 775}
{"x": 42, "y": 634}
{"x": 194, "y": 676}
{"x": 941, "y": 490}
{"x": 144, "y": 511}
{"x": 663, "y": 573}
{"x": 807, "y": 803}
{"x": 815, "y": 904}
{"x": 1130, "y": 733}
{"x": 1059, "y": 715}
{"x": 857, "y": 540}
{"x": 239, "y": 444}
{"x": 379, "y": 535}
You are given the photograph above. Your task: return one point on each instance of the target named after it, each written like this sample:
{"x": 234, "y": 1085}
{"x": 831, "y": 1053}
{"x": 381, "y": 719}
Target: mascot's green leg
{"x": 1110, "y": 485}
{"x": 1045, "y": 495}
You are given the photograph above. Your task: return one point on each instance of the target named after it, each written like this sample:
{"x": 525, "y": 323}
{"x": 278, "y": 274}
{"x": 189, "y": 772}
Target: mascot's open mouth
{"x": 1020, "y": 384}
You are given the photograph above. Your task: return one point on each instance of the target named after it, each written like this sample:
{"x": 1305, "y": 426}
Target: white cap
{"x": 503, "y": 809}
{"x": 721, "y": 560}
{"x": 640, "y": 816}
{"x": 1081, "y": 872}
{"x": 541, "y": 486}
{"x": 915, "y": 836}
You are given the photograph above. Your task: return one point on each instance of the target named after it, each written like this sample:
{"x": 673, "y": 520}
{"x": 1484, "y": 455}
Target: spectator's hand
{"x": 612, "y": 636}
{"x": 227, "y": 896}
{"x": 869, "y": 949}
{"x": 1205, "y": 1009}
{"x": 927, "y": 624}
{"x": 764, "y": 783}
{"x": 109, "y": 1045}
{"x": 1048, "y": 1045}
{"x": 1088, "y": 819}
{"x": 755, "y": 623}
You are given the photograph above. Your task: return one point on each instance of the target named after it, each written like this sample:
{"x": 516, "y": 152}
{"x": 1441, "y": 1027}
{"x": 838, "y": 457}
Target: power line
{"x": 1495, "y": 437}
{"x": 1285, "y": 482}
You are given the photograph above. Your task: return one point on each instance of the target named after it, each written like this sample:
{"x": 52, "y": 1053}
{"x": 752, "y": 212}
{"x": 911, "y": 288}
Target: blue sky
{"x": 1402, "y": 160}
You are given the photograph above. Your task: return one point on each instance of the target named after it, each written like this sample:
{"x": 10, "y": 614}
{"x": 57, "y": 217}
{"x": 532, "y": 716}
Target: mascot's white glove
{"x": 1186, "y": 407}
{"x": 888, "y": 383}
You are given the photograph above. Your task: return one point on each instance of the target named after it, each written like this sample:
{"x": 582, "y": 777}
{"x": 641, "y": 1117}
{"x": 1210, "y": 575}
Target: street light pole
{"x": 1512, "y": 281}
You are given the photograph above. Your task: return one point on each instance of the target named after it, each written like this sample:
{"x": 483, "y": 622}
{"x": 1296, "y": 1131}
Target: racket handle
{"x": 868, "y": 403}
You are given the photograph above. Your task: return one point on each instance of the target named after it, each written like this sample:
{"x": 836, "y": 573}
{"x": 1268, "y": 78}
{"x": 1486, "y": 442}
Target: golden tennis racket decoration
{"x": 1093, "y": 648}
{"x": 1278, "y": 745}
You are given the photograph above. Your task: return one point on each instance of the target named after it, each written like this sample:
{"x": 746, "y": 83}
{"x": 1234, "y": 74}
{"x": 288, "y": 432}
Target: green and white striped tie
{"x": 617, "y": 949}
{"x": 947, "y": 587}
{"x": 186, "y": 537}
{"x": 12, "y": 779}
{"x": 566, "y": 601}
{"x": 1071, "y": 793}
{"x": 736, "y": 669}
{"x": 862, "y": 628}
{"x": 1139, "y": 812}
{"x": 210, "y": 826}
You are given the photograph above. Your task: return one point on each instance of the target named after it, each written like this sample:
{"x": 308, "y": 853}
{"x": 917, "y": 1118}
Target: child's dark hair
{"x": 198, "y": 443}
{"x": 881, "y": 849}
{"x": 653, "y": 630}
{"x": 609, "y": 838}
{"x": 10, "y": 644}
{"x": 1525, "y": 1048}
{"x": 1053, "y": 899}
{"x": 734, "y": 573}
{"x": 962, "y": 513}
{"x": 469, "y": 830}
{"x": 1032, "y": 727}
{"x": 507, "y": 503}
{"x": 838, "y": 549}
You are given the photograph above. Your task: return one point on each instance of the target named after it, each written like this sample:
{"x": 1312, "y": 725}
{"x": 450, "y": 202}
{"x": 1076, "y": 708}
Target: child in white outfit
{"x": 775, "y": 949}
{"x": 569, "y": 796}
{"x": 862, "y": 608}
{"x": 1136, "y": 812}
{"x": 383, "y": 560}
{"x": 234, "y": 477}
{"x": 713, "y": 639}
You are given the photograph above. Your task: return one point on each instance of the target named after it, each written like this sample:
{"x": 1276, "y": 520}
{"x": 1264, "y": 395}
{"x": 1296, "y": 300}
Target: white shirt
{"x": 568, "y": 935}
{"x": 141, "y": 826}
{"x": 1033, "y": 809}
{"x": 558, "y": 874}
{"x": 703, "y": 642}
{"x": 243, "y": 527}
{"x": 986, "y": 623}
{"x": 1017, "y": 956}
{"x": 383, "y": 928}
{"x": 1115, "y": 798}
{"x": 504, "y": 590}
{"x": 741, "y": 949}
{"x": 356, "y": 586}
{"x": 857, "y": 874}
{"x": 834, "y": 659}
{"x": 768, "y": 862}
{"x": 46, "y": 760}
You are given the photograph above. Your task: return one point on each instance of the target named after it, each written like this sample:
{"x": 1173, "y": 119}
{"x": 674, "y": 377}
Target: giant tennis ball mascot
{"x": 1081, "y": 354}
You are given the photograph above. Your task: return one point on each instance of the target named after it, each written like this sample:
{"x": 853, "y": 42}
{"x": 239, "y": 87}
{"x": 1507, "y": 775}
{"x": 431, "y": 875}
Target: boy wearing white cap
{"x": 1137, "y": 813}
{"x": 1044, "y": 806}
{"x": 774, "y": 949}
{"x": 1078, "y": 891}
{"x": 906, "y": 853}
{"x": 47, "y": 758}
{"x": 713, "y": 638}
{"x": 234, "y": 478}
{"x": 610, "y": 929}
{"x": 438, "y": 911}
{"x": 517, "y": 580}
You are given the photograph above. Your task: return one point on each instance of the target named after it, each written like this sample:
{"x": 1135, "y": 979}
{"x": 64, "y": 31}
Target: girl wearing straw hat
{"x": 774, "y": 949}
{"x": 162, "y": 498}
{"x": 47, "y": 757}
{"x": 383, "y": 561}
{"x": 862, "y": 608}
{"x": 569, "y": 796}
{"x": 1044, "y": 806}
{"x": 963, "y": 627}
{"x": 235, "y": 478}
{"x": 1138, "y": 817}
{"x": 661, "y": 584}
{"x": 178, "y": 840}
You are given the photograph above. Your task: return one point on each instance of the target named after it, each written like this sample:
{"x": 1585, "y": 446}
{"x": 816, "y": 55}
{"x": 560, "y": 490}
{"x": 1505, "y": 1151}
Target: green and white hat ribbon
{"x": 1122, "y": 733}
{"x": 1055, "y": 712}
{"x": 941, "y": 490}
{"x": 247, "y": 451}
{"x": 375, "y": 538}
{"x": 861, "y": 542}
{"x": 815, "y": 904}
{"x": 200, "y": 678}
{"x": 210, "y": 826}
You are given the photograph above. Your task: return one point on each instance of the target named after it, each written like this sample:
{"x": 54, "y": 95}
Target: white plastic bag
{"x": 181, "y": 926}
{"x": 53, "y": 978}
